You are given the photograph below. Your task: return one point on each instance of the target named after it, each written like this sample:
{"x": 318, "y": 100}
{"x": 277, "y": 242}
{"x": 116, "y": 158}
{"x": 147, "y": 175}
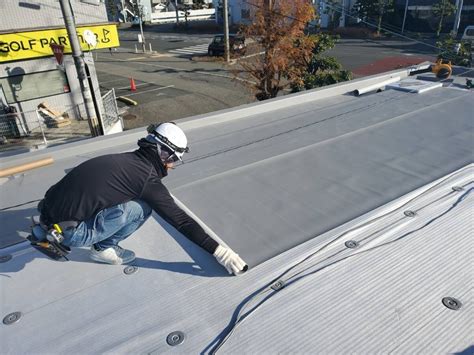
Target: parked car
{"x": 468, "y": 34}
{"x": 236, "y": 45}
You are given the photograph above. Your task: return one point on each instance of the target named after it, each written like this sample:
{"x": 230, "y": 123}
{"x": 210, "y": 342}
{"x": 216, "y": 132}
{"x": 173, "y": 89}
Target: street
{"x": 178, "y": 80}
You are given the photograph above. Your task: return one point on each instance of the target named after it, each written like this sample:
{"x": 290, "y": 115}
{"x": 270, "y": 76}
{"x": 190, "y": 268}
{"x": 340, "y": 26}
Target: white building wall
{"x": 20, "y": 16}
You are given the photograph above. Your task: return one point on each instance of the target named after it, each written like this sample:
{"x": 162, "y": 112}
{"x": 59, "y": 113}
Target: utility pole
{"x": 226, "y": 31}
{"x": 342, "y": 20}
{"x": 459, "y": 4}
{"x": 80, "y": 67}
{"x": 405, "y": 16}
{"x": 177, "y": 12}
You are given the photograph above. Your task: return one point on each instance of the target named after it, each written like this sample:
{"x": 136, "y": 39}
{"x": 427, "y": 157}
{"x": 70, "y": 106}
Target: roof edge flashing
{"x": 343, "y": 88}
{"x": 223, "y": 116}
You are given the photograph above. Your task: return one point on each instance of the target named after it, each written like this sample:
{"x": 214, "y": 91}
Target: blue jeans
{"x": 109, "y": 226}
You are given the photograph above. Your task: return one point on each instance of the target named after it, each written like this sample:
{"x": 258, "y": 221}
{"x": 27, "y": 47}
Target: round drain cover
{"x": 409, "y": 213}
{"x": 128, "y": 270}
{"x": 175, "y": 338}
{"x": 12, "y": 318}
{"x": 352, "y": 244}
{"x": 5, "y": 258}
{"x": 457, "y": 188}
{"x": 451, "y": 303}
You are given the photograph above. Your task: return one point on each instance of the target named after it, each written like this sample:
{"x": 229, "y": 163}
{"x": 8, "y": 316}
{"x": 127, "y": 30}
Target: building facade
{"x": 30, "y": 76}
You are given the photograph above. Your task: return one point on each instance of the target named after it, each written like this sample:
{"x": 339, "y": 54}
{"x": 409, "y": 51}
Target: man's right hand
{"x": 230, "y": 260}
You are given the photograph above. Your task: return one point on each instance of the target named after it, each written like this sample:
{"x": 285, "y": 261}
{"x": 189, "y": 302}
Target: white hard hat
{"x": 169, "y": 135}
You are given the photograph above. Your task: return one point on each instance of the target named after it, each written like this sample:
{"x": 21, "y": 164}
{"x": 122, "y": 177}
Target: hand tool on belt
{"x": 55, "y": 232}
{"x": 49, "y": 239}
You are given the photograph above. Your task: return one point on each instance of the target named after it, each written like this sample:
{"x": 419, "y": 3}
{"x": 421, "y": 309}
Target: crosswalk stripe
{"x": 200, "y": 48}
{"x": 186, "y": 51}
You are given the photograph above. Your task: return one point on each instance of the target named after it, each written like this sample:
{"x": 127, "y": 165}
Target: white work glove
{"x": 230, "y": 260}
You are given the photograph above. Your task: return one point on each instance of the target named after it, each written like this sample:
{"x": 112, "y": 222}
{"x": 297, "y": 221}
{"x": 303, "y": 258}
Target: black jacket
{"x": 112, "y": 179}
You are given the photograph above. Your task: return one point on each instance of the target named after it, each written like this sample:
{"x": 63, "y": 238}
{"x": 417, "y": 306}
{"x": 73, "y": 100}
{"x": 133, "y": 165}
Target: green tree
{"x": 278, "y": 30}
{"x": 369, "y": 9}
{"x": 442, "y": 9}
{"x": 321, "y": 70}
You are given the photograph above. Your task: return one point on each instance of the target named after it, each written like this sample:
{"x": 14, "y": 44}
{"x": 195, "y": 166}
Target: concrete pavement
{"x": 169, "y": 88}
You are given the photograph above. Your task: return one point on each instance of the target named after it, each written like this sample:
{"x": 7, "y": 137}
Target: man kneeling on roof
{"x": 105, "y": 199}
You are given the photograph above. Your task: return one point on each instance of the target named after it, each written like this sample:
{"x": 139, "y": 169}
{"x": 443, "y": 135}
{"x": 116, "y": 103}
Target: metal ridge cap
{"x": 287, "y": 100}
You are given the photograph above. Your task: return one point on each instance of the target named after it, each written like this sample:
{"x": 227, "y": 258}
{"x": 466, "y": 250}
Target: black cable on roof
{"x": 240, "y": 317}
{"x": 19, "y": 205}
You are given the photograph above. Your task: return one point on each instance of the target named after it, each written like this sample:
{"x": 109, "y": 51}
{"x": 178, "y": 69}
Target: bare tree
{"x": 278, "y": 29}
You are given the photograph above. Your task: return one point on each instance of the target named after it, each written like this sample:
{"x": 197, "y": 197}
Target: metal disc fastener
{"x": 131, "y": 269}
{"x": 352, "y": 244}
{"x": 175, "y": 338}
{"x": 12, "y": 318}
{"x": 451, "y": 303}
{"x": 5, "y": 258}
{"x": 409, "y": 213}
{"x": 277, "y": 286}
{"x": 457, "y": 188}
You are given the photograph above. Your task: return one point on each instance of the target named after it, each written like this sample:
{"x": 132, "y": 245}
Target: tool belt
{"x": 49, "y": 241}
{"x": 54, "y": 231}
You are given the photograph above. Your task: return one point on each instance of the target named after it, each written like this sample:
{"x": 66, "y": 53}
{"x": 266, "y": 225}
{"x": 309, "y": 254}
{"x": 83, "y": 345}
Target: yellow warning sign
{"x": 36, "y": 44}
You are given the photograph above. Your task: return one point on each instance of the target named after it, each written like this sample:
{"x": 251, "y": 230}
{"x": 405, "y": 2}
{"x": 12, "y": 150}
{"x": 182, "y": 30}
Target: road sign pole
{"x": 177, "y": 12}
{"x": 457, "y": 20}
{"x": 140, "y": 17}
{"x": 405, "y": 16}
{"x": 79, "y": 63}
{"x": 226, "y": 30}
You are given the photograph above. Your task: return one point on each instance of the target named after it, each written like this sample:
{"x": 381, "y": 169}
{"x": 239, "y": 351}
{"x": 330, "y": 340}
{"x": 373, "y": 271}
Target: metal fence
{"x": 29, "y": 130}
{"x": 110, "y": 113}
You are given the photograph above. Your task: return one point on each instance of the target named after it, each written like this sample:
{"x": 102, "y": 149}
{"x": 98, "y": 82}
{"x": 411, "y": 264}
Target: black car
{"x": 236, "y": 45}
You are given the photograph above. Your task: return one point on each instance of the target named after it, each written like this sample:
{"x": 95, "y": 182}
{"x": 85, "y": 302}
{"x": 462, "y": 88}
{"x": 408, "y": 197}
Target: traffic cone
{"x": 133, "y": 87}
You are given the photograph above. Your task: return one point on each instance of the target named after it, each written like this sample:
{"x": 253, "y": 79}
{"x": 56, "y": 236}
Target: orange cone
{"x": 133, "y": 87}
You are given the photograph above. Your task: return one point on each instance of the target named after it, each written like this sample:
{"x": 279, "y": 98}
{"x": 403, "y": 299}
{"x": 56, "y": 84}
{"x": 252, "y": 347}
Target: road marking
{"x": 128, "y": 87}
{"x": 110, "y": 81}
{"x": 198, "y": 49}
{"x": 142, "y": 92}
{"x": 136, "y": 58}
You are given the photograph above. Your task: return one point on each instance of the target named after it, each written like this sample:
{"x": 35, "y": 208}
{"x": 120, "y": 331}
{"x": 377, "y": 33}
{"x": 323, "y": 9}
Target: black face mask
{"x": 152, "y": 152}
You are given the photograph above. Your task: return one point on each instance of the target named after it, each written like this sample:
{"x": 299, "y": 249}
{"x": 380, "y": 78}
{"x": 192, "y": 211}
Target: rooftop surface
{"x": 353, "y": 213}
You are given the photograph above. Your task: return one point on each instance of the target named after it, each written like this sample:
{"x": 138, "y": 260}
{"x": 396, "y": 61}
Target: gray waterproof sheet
{"x": 268, "y": 182}
{"x": 279, "y": 180}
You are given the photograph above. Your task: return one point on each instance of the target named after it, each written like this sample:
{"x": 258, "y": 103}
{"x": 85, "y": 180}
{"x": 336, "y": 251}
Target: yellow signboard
{"x": 36, "y": 44}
